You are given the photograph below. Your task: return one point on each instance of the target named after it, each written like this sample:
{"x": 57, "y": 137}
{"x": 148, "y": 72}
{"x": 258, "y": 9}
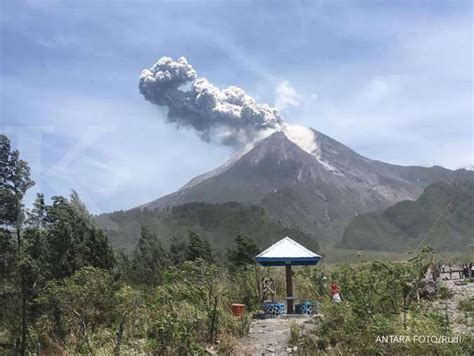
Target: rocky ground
{"x": 461, "y": 322}
{"x": 273, "y": 336}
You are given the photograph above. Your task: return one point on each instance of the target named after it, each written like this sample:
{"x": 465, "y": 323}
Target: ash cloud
{"x": 226, "y": 116}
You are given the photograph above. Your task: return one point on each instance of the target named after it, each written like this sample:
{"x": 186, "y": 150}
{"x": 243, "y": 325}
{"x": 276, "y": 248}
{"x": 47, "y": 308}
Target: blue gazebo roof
{"x": 287, "y": 252}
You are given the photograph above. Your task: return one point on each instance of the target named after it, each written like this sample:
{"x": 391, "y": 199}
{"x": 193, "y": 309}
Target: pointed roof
{"x": 287, "y": 251}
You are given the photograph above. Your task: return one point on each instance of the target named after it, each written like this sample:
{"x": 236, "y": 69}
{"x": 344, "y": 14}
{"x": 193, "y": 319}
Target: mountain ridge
{"x": 445, "y": 212}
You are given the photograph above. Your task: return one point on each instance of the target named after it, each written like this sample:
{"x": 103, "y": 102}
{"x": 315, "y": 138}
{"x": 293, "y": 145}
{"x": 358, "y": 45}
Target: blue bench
{"x": 274, "y": 309}
{"x": 304, "y": 308}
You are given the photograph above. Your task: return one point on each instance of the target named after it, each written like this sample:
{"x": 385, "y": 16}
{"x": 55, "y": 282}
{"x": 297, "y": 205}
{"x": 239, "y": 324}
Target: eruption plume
{"x": 226, "y": 116}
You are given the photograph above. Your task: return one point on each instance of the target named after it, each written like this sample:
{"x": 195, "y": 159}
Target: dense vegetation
{"x": 383, "y": 299}
{"x": 445, "y": 211}
{"x": 64, "y": 290}
{"x": 218, "y": 223}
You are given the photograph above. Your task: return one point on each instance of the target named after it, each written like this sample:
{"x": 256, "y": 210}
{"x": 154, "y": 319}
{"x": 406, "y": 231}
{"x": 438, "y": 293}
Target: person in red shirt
{"x": 335, "y": 292}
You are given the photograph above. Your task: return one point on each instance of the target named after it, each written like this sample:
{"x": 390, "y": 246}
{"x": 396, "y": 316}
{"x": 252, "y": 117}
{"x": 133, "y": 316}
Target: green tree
{"x": 15, "y": 180}
{"x": 9, "y": 291}
{"x": 178, "y": 251}
{"x": 244, "y": 253}
{"x": 37, "y": 215}
{"x": 149, "y": 259}
{"x": 199, "y": 248}
{"x": 59, "y": 240}
{"x": 74, "y": 240}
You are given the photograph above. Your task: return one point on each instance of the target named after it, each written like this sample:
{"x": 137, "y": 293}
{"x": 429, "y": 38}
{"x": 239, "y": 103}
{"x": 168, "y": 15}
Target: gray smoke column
{"x": 228, "y": 116}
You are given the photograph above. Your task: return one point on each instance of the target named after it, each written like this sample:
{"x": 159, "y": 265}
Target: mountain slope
{"x": 317, "y": 187}
{"x": 402, "y": 226}
{"x": 219, "y": 223}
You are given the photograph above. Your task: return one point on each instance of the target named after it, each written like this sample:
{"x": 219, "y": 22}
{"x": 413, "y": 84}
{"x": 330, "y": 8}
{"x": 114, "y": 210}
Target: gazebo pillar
{"x": 289, "y": 289}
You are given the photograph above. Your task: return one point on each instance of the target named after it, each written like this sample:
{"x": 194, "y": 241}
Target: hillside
{"x": 219, "y": 223}
{"x": 402, "y": 226}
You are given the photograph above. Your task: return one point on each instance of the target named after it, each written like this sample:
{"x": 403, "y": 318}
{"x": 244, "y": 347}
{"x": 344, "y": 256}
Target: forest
{"x": 65, "y": 290}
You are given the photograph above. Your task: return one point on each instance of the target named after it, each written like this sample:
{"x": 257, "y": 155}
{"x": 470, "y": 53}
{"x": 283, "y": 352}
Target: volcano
{"x": 310, "y": 181}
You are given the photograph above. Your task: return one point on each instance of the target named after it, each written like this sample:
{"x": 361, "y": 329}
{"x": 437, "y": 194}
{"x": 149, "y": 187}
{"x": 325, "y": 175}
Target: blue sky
{"x": 393, "y": 80}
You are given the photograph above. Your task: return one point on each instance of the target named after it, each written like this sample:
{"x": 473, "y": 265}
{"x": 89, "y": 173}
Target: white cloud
{"x": 381, "y": 88}
{"x": 57, "y": 41}
{"x": 286, "y": 96}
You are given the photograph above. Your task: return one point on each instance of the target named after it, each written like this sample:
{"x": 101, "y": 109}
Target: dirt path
{"x": 461, "y": 322}
{"x": 272, "y": 336}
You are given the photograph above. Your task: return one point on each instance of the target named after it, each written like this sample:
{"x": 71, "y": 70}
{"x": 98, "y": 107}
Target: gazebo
{"x": 288, "y": 252}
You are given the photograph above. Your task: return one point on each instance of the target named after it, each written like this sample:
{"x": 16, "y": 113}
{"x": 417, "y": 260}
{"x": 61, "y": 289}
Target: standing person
{"x": 335, "y": 292}
{"x": 435, "y": 271}
{"x": 471, "y": 270}
{"x": 465, "y": 271}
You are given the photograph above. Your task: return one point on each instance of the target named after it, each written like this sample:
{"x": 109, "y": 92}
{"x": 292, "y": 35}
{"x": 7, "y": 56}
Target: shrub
{"x": 445, "y": 292}
{"x": 466, "y": 305}
{"x": 77, "y": 307}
